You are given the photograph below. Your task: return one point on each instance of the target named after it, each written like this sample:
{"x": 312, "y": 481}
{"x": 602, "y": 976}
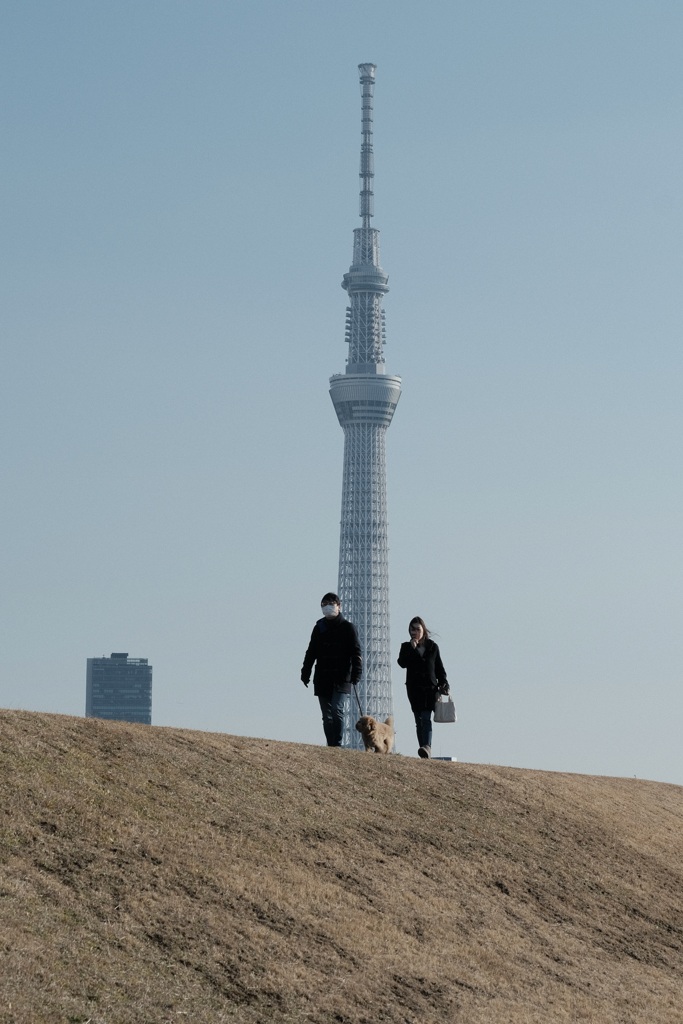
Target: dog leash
{"x": 358, "y": 700}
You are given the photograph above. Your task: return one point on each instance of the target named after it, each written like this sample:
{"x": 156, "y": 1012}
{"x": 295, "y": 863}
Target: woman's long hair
{"x": 417, "y": 621}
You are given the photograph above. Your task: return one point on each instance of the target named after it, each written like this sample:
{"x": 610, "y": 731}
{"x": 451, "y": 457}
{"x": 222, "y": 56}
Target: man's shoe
{"x": 425, "y": 752}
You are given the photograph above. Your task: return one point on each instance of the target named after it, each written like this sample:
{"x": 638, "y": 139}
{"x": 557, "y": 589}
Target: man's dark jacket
{"x": 335, "y": 649}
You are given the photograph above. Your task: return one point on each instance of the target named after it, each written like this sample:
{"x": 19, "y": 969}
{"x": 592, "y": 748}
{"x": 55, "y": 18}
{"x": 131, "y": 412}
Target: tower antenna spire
{"x": 364, "y": 399}
{"x": 367, "y": 156}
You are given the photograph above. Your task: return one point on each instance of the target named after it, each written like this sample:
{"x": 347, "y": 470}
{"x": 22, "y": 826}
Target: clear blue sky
{"x": 179, "y": 193}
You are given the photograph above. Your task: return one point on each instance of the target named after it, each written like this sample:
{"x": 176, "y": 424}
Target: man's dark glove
{"x": 444, "y": 689}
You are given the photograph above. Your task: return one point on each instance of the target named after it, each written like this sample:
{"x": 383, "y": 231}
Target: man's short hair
{"x": 330, "y": 599}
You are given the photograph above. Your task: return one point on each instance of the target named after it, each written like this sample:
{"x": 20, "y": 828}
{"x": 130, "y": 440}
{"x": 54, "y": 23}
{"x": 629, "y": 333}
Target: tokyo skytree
{"x": 364, "y": 398}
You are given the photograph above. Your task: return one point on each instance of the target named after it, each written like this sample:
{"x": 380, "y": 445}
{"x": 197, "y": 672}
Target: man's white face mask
{"x": 330, "y": 610}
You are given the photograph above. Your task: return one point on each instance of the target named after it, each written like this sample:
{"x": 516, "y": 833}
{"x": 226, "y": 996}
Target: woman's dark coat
{"x": 425, "y": 675}
{"x": 335, "y": 649}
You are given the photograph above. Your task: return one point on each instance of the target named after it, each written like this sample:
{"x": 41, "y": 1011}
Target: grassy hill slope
{"x": 155, "y": 875}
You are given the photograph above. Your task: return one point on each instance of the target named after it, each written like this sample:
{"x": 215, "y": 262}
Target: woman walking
{"x": 425, "y": 680}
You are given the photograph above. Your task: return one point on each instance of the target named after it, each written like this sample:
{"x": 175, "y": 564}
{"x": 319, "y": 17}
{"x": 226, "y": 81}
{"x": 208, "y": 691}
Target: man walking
{"x": 335, "y": 649}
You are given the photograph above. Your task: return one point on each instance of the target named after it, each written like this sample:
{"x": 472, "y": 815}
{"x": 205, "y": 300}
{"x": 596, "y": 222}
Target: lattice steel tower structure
{"x": 364, "y": 398}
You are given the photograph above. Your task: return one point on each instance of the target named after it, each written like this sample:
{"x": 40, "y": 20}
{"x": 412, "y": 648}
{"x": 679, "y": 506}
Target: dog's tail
{"x": 389, "y": 721}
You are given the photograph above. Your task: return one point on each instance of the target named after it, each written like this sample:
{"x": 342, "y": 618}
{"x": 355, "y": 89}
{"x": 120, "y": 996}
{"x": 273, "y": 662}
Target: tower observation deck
{"x": 365, "y": 398}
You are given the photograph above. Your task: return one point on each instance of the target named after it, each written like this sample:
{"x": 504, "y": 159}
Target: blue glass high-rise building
{"x": 119, "y": 688}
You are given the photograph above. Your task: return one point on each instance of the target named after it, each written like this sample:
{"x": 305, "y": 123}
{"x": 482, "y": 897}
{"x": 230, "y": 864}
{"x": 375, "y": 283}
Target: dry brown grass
{"x": 157, "y": 875}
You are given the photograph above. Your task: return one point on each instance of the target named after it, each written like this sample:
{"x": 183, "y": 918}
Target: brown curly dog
{"x": 378, "y": 737}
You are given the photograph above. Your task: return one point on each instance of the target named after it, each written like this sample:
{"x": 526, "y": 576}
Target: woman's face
{"x": 416, "y": 631}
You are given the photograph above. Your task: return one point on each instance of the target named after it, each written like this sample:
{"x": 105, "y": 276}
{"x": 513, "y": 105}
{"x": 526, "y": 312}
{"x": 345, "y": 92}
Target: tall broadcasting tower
{"x": 364, "y": 398}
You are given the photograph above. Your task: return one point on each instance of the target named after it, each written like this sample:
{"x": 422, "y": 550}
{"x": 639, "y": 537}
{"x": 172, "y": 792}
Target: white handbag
{"x": 444, "y": 710}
